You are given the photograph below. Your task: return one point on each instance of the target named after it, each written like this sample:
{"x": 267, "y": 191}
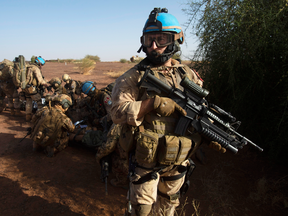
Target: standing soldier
{"x": 7, "y": 88}
{"x": 160, "y": 157}
{"x": 29, "y": 77}
{"x": 51, "y": 126}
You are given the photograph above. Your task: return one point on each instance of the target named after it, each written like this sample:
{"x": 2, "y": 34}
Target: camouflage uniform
{"x": 126, "y": 103}
{"x": 61, "y": 124}
{"x": 34, "y": 81}
{"x": 58, "y": 89}
{"x": 119, "y": 161}
{"x": 92, "y": 108}
{"x": 7, "y": 88}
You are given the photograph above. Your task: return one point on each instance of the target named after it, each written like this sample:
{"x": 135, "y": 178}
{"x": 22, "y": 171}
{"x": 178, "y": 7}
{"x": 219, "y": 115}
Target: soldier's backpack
{"x": 48, "y": 128}
{"x": 19, "y": 72}
{"x": 6, "y": 70}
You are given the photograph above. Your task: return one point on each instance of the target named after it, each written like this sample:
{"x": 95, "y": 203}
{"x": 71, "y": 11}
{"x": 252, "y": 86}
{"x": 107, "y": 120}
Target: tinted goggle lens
{"x": 161, "y": 39}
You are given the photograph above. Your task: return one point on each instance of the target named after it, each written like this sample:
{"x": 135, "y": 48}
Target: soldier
{"x": 98, "y": 102}
{"x": 73, "y": 87}
{"x": 51, "y": 126}
{"x": 58, "y": 89}
{"x": 160, "y": 157}
{"x": 119, "y": 162}
{"x": 34, "y": 83}
{"x": 8, "y": 88}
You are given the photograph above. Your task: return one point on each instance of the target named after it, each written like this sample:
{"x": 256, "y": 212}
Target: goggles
{"x": 161, "y": 39}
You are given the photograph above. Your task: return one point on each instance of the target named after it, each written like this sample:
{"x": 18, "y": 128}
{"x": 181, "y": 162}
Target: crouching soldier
{"x": 112, "y": 149}
{"x": 55, "y": 84}
{"x": 51, "y": 126}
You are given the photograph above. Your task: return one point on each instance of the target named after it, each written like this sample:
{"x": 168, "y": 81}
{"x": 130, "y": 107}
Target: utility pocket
{"x": 146, "y": 147}
{"x": 173, "y": 149}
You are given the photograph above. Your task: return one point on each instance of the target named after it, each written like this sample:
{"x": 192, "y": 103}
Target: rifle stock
{"x": 200, "y": 114}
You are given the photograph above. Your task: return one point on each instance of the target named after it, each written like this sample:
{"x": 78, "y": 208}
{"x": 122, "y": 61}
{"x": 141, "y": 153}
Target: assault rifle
{"x": 200, "y": 113}
{"x": 29, "y": 129}
{"x": 105, "y": 161}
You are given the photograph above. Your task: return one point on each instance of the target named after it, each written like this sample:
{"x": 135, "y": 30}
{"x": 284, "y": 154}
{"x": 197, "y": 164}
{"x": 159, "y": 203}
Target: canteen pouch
{"x": 173, "y": 149}
{"x": 146, "y": 147}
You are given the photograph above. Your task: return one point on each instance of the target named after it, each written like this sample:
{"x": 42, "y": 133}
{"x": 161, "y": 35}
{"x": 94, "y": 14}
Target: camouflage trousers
{"x": 8, "y": 89}
{"x": 120, "y": 168}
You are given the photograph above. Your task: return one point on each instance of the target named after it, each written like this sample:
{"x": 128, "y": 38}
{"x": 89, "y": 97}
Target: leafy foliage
{"x": 86, "y": 66}
{"x": 244, "y": 48}
{"x": 94, "y": 58}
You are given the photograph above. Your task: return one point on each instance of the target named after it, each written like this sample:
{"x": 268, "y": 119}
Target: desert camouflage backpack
{"x": 6, "y": 70}
{"x": 19, "y": 72}
{"x": 48, "y": 128}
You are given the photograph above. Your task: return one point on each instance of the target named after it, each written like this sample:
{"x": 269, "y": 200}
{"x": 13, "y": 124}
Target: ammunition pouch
{"x": 173, "y": 149}
{"x": 146, "y": 147}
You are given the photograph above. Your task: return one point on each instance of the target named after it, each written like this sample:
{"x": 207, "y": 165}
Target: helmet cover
{"x": 87, "y": 87}
{"x": 39, "y": 60}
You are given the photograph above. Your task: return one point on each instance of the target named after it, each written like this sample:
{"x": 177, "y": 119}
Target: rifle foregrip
{"x": 224, "y": 143}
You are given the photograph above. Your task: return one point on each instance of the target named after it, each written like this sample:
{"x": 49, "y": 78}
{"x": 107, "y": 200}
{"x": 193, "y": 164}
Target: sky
{"x": 72, "y": 29}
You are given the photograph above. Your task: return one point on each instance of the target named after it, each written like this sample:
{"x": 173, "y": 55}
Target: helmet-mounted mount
{"x": 152, "y": 20}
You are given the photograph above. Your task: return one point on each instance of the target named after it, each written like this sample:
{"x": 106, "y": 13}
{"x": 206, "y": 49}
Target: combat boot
{"x": 28, "y": 117}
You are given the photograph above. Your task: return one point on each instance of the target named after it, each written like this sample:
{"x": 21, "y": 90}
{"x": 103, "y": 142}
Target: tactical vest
{"x": 48, "y": 128}
{"x": 156, "y": 141}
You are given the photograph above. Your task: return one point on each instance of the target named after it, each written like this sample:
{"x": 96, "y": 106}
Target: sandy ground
{"x": 69, "y": 184}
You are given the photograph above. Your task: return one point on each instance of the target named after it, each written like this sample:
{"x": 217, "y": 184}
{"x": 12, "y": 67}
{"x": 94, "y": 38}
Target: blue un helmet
{"x": 88, "y": 86}
{"x": 39, "y": 61}
{"x": 163, "y": 29}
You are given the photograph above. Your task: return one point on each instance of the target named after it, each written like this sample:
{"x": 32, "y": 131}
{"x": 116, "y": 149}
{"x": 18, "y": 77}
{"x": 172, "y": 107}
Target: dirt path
{"x": 69, "y": 184}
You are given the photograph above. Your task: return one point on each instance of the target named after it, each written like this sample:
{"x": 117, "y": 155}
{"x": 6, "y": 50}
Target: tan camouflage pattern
{"x": 9, "y": 89}
{"x": 34, "y": 76}
{"x": 60, "y": 141}
{"x": 125, "y": 95}
{"x": 120, "y": 165}
{"x": 126, "y": 103}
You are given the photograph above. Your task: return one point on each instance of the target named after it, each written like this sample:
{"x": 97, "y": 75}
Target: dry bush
{"x": 114, "y": 74}
{"x": 86, "y": 66}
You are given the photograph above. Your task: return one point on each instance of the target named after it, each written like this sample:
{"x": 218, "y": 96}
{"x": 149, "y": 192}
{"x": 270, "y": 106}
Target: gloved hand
{"x": 166, "y": 106}
{"x": 216, "y": 146}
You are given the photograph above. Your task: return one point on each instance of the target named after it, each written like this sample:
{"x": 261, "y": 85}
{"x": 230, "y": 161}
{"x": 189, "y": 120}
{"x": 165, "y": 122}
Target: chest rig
{"x": 156, "y": 141}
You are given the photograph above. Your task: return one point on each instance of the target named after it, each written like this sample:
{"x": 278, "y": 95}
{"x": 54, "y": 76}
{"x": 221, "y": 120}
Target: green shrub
{"x": 94, "y": 58}
{"x": 86, "y": 66}
{"x": 123, "y": 60}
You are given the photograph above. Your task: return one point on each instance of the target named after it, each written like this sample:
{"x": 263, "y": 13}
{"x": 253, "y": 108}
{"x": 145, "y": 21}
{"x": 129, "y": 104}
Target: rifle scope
{"x": 193, "y": 87}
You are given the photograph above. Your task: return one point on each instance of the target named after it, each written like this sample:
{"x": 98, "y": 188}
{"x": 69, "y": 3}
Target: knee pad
{"x": 142, "y": 210}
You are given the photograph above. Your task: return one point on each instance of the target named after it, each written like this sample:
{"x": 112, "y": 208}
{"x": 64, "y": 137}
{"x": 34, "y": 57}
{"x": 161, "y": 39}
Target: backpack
{"x": 48, "y": 128}
{"x": 6, "y": 70}
{"x": 19, "y": 72}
